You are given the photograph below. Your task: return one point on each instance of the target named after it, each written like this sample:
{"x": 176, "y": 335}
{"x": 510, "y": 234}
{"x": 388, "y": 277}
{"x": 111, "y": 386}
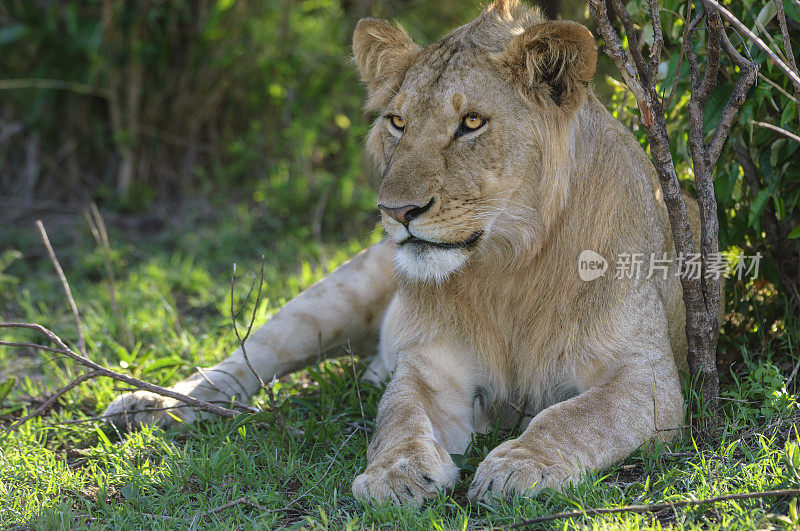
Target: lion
{"x": 499, "y": 170}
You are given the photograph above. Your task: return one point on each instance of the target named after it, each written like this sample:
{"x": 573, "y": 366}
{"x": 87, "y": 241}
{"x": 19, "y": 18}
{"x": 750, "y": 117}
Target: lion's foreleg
{"x": 425, "y": 414}
{"x": 344, "y": 308}
{"x": 592, "y": 431}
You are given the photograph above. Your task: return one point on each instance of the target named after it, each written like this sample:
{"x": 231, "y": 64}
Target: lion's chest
{"x": 521, "y": 348}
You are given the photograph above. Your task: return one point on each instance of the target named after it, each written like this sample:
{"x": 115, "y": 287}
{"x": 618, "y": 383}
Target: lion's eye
{"x": 398, "y": 122}
{"x": 472, "y": 121}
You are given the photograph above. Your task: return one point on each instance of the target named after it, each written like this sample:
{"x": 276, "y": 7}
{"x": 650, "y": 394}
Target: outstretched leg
{"x": 345, "y": 307}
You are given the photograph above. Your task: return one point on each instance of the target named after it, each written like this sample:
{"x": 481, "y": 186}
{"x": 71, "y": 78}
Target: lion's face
{"x": 448, "y": 160}
{"x": 461, "y": 141}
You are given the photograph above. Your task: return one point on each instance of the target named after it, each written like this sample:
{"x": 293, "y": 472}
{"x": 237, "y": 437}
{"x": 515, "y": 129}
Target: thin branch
{"x": 713, "y": 50}
{"x": 57, "y": 84}
{"x": 777, "y": 129}
{"x": 787, "y": 45}
{"x": 273, "y": 404}
{"x": 102, "y": 371}
{"x": 747, "y": 76}
{"x": 50, "y": 402}
{"x": 658, "y": 38}
{"x": 614, "y": 49}
{"x": 777, "y": 87}
{"x": 98, "y": 227}
{"x": 653, "y": 507}
{"x": 634, "y": 43}
{"x": 739, "y": 25}
{"x": 234, "y": 315}
{"x": 65, "y": 285}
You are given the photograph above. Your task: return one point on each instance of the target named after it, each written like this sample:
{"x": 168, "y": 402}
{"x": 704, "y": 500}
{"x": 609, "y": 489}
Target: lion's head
{"x": 473, "y": 134}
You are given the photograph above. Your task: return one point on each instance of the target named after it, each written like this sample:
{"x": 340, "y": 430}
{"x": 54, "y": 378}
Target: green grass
{"x": 66, "y": 470}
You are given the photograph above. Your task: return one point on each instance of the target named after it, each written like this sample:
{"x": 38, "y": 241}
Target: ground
{"x": 295, "y": 466}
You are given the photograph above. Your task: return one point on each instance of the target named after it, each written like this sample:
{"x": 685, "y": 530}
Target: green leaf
{"x": 163, "y": 362}
{"x": 789, "y": 114}
{"x": 791, "y": 9}
{"x": 757, "y": 207}
{"x": 795, "y": 233}
{"x": 765, "y": 16}
{"x": 6, "y": 388}
{"x": 716, "y": 103}
{"x": 780, "y": 208}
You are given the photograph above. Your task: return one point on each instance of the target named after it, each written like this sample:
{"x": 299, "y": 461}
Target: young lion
{"x": 499, "y": 168}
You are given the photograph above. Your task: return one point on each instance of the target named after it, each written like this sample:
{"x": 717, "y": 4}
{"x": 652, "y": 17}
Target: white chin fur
{"x": 428, "y": 264}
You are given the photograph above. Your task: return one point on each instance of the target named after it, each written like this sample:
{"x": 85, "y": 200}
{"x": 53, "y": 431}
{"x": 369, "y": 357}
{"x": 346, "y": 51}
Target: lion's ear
{"x": 383, "y": 53}
{"x": 558, "y": 57}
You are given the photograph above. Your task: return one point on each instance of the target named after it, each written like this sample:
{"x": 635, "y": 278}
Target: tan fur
{"x": 475, "y": 333}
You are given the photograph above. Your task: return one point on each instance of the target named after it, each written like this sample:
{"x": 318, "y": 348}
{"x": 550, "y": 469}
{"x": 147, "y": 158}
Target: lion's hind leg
{"x": 345, "y": 308}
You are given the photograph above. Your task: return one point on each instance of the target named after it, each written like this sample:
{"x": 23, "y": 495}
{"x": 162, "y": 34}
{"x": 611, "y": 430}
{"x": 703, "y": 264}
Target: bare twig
{"x": 777, "y": 129}
{"x": 747, "y": 76}
{"x": 100, "y": 234}
{"x": 653, "y": 507}
{"x": 739, "y": 25}
{"x": 65, "y": 285}
{"x": 102, "y": 371}
{"x": 787, "y": 45}
{"x": 50, "y": 402}
{"x": 273, "y": 404}
{"x": 686, "y": 31}
{"x": 234, "y": 316}
{"x": 244, "y": 500}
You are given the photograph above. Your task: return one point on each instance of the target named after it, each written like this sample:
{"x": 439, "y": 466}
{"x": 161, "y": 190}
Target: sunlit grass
{"x": 64, "y": 470}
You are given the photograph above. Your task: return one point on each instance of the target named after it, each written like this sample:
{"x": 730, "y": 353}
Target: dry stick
{"x": 234, "y": 315}
{"x": 748, "y": 71}
{"x": 739, "y": 25}
{"x": 658, "y": 38}
{"x": 50, "y": 402}
{"x": 777, "y": 129}
{"x": 101, "y": 418}
{"x": 654, "y": 507}
{"x": 613, "y": 48}
{"x": 100, "y": 233}
{"x": 65, "y": 285}
{"x": 273, "y": 404}
{"x": 102, "y": 371}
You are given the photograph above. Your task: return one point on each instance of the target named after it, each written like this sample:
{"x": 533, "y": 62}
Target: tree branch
{"x": 654, "y": 507}
{"x": 64, "y": 284}
{"x": 739, "y": 25}
{"x": 787, "y": 46}
{"x": 102, "y": 371}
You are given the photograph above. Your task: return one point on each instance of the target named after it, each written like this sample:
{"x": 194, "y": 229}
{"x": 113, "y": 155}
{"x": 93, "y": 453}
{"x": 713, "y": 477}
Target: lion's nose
{"x": 406, "y": 213}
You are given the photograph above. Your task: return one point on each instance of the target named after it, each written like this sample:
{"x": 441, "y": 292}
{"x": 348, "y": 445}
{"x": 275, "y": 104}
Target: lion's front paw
{"x": 411, "y": 471}
{"x": 513, "y": 468}
{"x": 131, "y": 410}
